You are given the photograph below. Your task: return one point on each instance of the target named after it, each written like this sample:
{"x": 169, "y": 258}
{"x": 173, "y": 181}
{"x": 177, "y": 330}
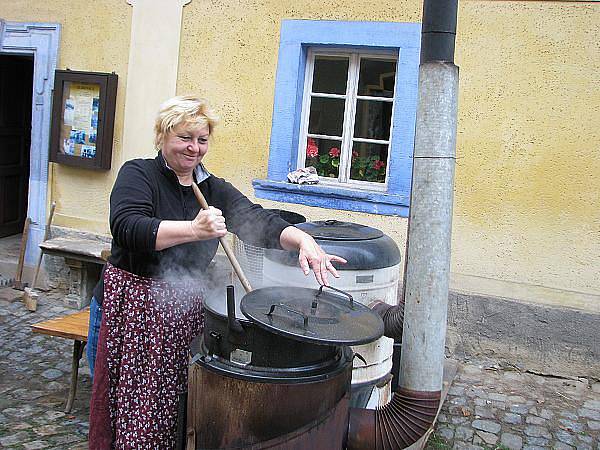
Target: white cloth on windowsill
{"x": 304, "y": 175}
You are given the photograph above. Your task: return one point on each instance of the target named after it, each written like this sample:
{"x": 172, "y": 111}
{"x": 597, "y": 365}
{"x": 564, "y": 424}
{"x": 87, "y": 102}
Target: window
{"x": 347, "y": 117}
{"x": 345, "y": 102}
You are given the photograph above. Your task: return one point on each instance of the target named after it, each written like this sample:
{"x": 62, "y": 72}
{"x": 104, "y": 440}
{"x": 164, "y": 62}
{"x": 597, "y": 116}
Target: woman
{"x": 162, "y": 243}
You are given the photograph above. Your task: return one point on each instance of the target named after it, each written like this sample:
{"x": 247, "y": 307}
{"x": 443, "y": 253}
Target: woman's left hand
{"x": 313, "y": 257}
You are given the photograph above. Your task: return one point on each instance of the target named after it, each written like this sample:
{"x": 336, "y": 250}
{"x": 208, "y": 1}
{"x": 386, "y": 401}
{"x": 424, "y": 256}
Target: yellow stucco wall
{"x": 232, "y": 60}
{"x": 94, "y": 37}
{"x": 526, "y": 222}
{"x": 527, "y": 186}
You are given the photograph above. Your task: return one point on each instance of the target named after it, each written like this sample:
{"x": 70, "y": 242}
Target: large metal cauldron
{"x": 280, "y": 379}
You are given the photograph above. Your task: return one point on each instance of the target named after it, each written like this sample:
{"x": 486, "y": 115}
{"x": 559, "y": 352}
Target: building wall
{"x": 526, "y": 221}
{"x": 527, "y": 202}
{"x": 94, "y": 37}
{"x": 236, "y": 53}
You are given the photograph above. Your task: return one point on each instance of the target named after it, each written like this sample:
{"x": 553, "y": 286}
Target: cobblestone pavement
{"x": 495, "y": 408}
{"x": 34, "y": 380}
{"x": 486, "y": 407}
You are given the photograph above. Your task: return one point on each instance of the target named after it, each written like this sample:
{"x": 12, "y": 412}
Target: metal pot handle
{"x": 337, "y": 290}
{"x": 287, "y": 308}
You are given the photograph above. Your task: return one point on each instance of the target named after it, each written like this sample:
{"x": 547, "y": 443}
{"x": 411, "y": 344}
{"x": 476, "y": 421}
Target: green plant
{"x": 363, "y": 168}
{"x": 327, "y": 164}
{"x": 367, "y": 168}
{"x": 436, "y": 442}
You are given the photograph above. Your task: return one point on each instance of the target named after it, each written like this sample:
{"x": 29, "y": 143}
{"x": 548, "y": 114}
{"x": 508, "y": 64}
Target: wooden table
{"x": 72, "y": 326}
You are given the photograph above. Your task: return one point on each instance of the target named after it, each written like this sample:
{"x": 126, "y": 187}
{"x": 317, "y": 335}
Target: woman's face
{"x": 184, "y": 149}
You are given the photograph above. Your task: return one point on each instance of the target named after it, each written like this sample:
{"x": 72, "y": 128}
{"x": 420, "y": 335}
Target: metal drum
{"x": 280, "y": 378}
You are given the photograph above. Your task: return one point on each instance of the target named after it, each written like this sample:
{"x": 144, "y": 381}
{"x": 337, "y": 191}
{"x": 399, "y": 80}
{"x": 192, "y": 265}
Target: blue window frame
{"x": 297, "y": 37}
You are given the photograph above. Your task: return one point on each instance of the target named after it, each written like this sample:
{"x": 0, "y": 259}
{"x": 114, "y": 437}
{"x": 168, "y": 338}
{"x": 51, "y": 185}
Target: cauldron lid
{"x": 325, "y": 316}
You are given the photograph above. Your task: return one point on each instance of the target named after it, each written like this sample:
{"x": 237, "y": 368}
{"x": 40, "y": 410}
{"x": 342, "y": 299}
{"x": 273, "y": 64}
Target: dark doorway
{"x": 16, "y": 84}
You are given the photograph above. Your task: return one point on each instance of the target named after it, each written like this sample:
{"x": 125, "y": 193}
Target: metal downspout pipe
{"x": 415, "y": 403}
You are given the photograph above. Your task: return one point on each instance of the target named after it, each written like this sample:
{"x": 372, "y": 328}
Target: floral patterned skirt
{"x": 142, "y": 360}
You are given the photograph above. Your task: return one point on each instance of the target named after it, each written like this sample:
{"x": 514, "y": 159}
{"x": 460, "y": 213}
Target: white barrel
{"x": 365, "y": 286}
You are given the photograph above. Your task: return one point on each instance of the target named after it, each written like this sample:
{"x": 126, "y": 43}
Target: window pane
{"x": 330, "y": 75}
{"x": 369, "y": 162}
{"x": 323, "y": 155}
{"x": 373, "y": 119}
{"x": 326, "y": 116}
{"x": 377, "y": 77}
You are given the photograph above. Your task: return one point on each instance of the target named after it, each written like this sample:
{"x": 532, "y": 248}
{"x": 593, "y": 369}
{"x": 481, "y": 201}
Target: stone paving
{"x": 34, "y": 380}
{"x": 488, "y": 407}
{"x": 506, "y": 408}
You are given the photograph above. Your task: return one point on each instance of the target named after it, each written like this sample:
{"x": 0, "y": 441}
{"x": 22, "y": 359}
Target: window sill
{"x": 333, "y": 197}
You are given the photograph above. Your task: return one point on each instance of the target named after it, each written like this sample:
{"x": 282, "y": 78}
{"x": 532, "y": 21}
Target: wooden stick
{"x": 46, "y": 235}
{"x": 105, "y": 254}
{"x": 30, "y": 296}
{"x": 228, "y": 251}
{"x": 19, "y": 276}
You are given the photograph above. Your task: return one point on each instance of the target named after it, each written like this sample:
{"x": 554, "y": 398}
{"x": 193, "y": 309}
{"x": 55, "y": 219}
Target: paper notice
{"x": 83, "y": 96}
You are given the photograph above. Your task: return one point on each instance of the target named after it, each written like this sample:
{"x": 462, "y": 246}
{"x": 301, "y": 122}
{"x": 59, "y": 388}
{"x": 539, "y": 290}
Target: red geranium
{"x": 334, "y": 152}
{"x": 378, "y": 164}
{"x": 311, "y": 148}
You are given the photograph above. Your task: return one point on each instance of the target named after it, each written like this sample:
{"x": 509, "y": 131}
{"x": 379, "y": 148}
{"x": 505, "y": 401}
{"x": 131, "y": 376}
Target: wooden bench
{"x": 85, "y": 258}
{"x": 72, "y": 326}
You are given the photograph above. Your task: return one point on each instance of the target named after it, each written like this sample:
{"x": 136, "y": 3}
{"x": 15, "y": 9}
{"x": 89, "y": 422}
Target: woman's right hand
{"x": 208, "y": 224}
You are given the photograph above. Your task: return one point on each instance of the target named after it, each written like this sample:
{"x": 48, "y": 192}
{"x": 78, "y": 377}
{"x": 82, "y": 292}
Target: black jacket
{"x": 147, "y": 191}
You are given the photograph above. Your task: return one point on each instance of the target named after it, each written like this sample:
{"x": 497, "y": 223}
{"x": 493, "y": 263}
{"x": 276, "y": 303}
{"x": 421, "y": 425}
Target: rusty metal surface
{"x": 227, "y": 412}
{"x": 361, "y": 429}
{"x": 326, "y": 433}
{"x": 397, "y": 425}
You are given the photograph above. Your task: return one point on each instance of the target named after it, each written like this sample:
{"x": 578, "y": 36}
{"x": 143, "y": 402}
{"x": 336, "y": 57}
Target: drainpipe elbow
{"x": 397, "y": 425}
{"x": 393, "y": 319}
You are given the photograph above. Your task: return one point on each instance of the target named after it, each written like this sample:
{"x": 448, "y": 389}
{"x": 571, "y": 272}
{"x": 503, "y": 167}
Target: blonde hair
{"x": 184, "y": 111}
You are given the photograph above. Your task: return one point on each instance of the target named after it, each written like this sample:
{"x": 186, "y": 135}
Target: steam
{"x": 190, "y": 273}
{"x": 187, "y": 283}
